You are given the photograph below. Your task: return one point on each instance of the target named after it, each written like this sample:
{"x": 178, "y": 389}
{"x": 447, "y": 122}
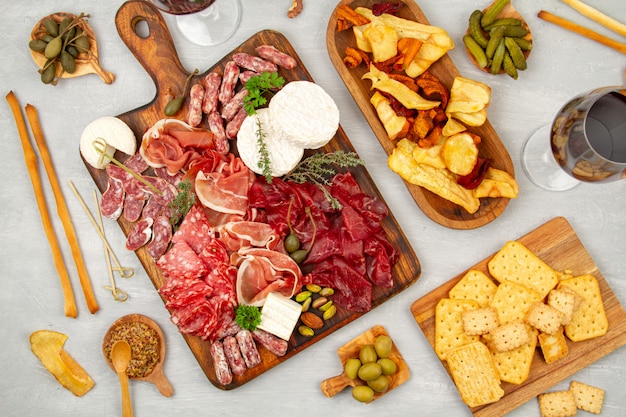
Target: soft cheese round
{"x": 117, "y": 134}
{"x": 306, "y": 113}
{"x": 283, "y": 153}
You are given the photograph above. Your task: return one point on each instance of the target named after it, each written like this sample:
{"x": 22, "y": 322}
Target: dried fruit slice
{"x": 47, "y": 345}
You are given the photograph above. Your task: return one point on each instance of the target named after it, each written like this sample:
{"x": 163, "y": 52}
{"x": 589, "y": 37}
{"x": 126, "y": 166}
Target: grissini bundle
{"x": 599, "y": 17}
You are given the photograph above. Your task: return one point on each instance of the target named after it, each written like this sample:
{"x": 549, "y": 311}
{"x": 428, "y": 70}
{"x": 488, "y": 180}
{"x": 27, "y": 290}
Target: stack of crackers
{"x": 488, "y": 328}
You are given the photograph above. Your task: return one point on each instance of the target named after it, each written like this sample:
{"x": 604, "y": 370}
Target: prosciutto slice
{"x": 261, "y": 271}
{"x": 239, "y": 234}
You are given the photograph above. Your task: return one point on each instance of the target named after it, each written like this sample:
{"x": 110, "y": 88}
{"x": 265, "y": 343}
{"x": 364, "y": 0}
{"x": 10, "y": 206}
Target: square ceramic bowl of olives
{"x": 372, "y": 366}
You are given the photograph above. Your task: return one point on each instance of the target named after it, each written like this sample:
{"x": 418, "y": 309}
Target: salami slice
{"x": 136, "y": 163}
{"x": 133, "y": 206}
{"x": 248, "y": 348}
{"x": 220, "y": 364}
{"x": 195, "y": 230}
{"x": 151, "y": 209}
{"x": 161, "y": 237}
{"x": 112, "y": 201}
{"x": 182, "y": 262}
{"x": 140, "y": 234}
{"x": 233, "y": 356}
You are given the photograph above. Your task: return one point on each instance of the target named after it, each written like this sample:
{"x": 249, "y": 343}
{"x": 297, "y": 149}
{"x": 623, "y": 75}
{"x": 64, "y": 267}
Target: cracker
{"x": 587, "y": 397}
{"x": 514, "y": 262}
{"x": 513, "y": 301}
{"x": 589, "y": 320}
{"x": 510, "y": 336}
{"x": 514, "y": 365}
{"x": 553, "y": 346}
{"x": 475, "y": 285}
{"x": 449, "y": 332}
{"x": 557, "y": 404}
{"x": 543, "y": 317}
{"x": 474, "y": 374}
{"x": 480, "y": 321}
{"x": 566, "y": 301}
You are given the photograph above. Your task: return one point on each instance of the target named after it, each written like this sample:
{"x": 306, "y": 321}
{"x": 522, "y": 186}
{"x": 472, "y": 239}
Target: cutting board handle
{"x": 153, "y": 47}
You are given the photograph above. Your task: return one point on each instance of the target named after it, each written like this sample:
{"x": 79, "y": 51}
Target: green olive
{"x": 67, "y": 62}
{"x": 363, "y": 393}
{"x": 292, "y": 243}
{"x": 47, "y": 75}
{"x": 383, "y": 346}
{"x": 53, "y": 48}
{"x": 299, "y": 256}
{"x": 388, "y": 366}
{"x": 370, "y": 371}
{"x": 37, "y": 45}
{"x": 379, "y": 384}
{"x": 367, "y": 354}
{"x": 51, "y": 27}
{"x": 351, "y": 368}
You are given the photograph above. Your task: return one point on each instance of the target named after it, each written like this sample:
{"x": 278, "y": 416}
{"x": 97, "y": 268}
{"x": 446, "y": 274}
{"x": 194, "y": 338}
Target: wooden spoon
{"x": 156, "y": 376}
{"x": 120, "y": 356}
{"x": 508, "y": 11}
{"x": 86, "y": 63}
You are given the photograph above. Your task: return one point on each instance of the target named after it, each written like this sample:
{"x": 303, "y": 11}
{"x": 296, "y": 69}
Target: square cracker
{"x": 475, "y": 285}
{"x": 513, "y": 301}
{"x": 509, "y": 336}
{"x": 474, "y": 374}
{"x": 587, "y": 398}
{"x": 514, "y": 366}
{"x": 557, "y": 404}
{"x": 449, "y": 332}
{"x": 566, "y": 301}
{"x": 589, "y": 320}
{"x": 480, "y": 320}
{"x": 553, "y": 346}
{"x": 514, "y": 262}
{"x": 543, "y": 317}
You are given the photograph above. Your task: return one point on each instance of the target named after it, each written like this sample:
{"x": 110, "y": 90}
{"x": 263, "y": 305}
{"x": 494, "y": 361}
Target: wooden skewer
{"x": 62, "y": 210}
{"x": 581, "y": 30}
{"x": 593, "y": 14}
{"x": 31, "y": 165}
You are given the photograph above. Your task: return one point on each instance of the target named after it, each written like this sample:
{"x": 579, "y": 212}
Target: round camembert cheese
{"x": 117, "y": 135}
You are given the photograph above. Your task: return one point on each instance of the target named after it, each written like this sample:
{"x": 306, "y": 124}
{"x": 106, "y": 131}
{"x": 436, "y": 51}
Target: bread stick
{"x": 581, "y": 30}
{"x": 593, "y": 14}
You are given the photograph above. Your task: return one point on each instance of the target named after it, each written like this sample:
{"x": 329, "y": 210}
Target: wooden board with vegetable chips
{"x": 556, "y": 244}
{"x": 157, "y": 54}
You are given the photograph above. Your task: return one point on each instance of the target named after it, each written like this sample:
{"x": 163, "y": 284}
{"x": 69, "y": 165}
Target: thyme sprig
{"x": 316, "y": 169}
{"x": 182, "y": 203}
{"x": 264, "y": 161}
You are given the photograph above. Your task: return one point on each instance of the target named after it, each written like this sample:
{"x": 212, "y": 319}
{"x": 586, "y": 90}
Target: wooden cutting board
{"x": 557, "y": 244}
{"x": 436, "y": 208}
{"x": 157, "y": 54}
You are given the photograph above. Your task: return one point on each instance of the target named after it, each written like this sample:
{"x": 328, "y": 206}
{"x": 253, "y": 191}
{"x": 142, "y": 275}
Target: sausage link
{"x": 212, "y": 83}
{"x": 279, "y": 58}
{"x": 196, "y": 97}
{"x": 220, "y": 364}
{"x": 254, "y": 63}
{"x": 229, "y": 81}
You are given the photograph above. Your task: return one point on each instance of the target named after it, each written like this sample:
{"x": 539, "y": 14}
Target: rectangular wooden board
{"x": 557, "y": 244}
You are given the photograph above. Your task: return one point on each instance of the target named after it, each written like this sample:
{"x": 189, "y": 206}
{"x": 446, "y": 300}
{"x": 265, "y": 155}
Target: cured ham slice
{"x": 226, "y": 194}
{"x": 239, "y": 234}
{"x": 261, "y": 271}
{"x": 174, "y": 144}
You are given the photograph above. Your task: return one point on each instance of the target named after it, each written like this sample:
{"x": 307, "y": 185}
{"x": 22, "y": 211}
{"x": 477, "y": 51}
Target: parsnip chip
{"x": 497, "y": 183}
{"x": 471, "y": 119}
{"x": 383, "y": 40}
{"x": 409, "y": 98}
{"x": 453, "y": 127}
{"x": 439, "y": 181}
{"x": 396, "y": 126}
{"x": 430, "y": 156}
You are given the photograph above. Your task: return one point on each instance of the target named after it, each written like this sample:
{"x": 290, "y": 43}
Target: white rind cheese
{"x": 305, "y": 113}
{"x": 279, "y": 315}
{"x": 115, "y": 132}
{"x": 283, "y": 153}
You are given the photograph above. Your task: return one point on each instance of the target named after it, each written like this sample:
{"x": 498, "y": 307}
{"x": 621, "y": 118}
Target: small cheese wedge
{"x": 279, "y": 315}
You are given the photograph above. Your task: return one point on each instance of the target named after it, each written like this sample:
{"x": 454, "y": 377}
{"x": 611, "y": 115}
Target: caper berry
{"x": 53, "y": 48}
{"x": 46, "y": 37}
{"x": 82, "y": 43}
{"x": 173, "y": 106}
{"x": 37, "y": 45}
{"x": 47, "y": 75}
{"x": 67, "y": 62}
{"x": 292, "y": 243}
{"x": 64, "y": 24}
{"x": 299, "y": 256}
{"x": 51, "y": 27}
{"x": 71, "y": 49}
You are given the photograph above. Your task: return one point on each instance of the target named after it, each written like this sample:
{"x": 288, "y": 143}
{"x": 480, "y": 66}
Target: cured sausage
{"x": 277, "y": 57}
{"x": 216, "y": 126}
{"x": 133, "y": 205}
{"x": 196, "y": 98}
{"x": 212, "y": 83}
{"x": 274, "y": 344}
{"x": 254, "y": 63}
{"x": 232, "y": 128}
{"x": 229, "y": 81}
{"x": 246, "y": 75}
{"x": 220, "y": 364}
{"x": 233, "y": 356}
{"x": 232, "y": 107}
{"x": 161, "y": 236}
{"x": 248, "y": 348}
{"x": 140, "y": 234}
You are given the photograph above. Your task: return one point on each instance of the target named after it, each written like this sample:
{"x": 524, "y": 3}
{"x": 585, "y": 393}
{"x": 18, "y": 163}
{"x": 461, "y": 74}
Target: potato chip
{"x": 383, "y": 40}
{"x": 409, "y": 98}
{"x": 449, "y": 332}
{"x": 460, "y": 153}
{"x": 496, "y": 183}
{"x": 431, "y": 155}
{"x": 395, "y": 126}
{"x": 475, "y": 285}
{"x": 474, "y": 374}
{"x": 514, "y": 262}
{"x": 589, "y": 320}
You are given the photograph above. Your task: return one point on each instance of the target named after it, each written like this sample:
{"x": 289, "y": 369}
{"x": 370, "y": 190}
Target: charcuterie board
{"x": 157, "y": 54}
{"x": 436, "y": 208}
{"x": 557, "y": 244}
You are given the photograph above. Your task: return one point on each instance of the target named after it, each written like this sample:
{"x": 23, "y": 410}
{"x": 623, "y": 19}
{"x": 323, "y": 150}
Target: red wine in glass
{"x": 204, "y": 22}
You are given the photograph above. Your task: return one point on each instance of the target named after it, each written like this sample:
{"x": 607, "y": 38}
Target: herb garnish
{"x": 247, "y": 317}
{"x": 257, "y": 87}
{"x": 182, "y": 203}
{"x": 315, "y": 170}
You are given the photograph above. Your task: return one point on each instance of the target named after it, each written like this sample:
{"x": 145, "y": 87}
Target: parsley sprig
{"x": 316, "y": 169}
{"x": 247, "y": 317}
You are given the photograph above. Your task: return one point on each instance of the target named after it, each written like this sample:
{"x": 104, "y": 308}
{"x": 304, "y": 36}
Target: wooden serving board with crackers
{"x": 552, "y": 283}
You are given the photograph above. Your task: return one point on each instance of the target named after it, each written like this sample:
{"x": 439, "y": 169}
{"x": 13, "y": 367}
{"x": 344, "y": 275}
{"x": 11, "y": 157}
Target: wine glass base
{"x": 213, "y": 25}
{"x": 541, "y": 167}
